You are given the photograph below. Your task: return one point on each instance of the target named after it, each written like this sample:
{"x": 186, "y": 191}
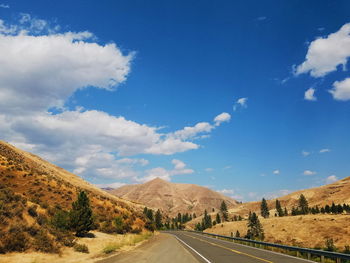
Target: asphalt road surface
{"x": 162, "y": 248}
{"x": 185, "y": 247}
{"x": 211, "y": 250}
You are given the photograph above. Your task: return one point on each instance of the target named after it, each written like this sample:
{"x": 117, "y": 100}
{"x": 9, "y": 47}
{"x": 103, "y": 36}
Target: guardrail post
{"x": 308, "y": 256}
{"x": 298, "y": 254}
{"x": 322, "y": 259}
{"x": 338, "y": 260}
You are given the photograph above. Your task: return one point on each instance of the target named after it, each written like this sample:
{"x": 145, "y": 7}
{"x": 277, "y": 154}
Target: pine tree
{"x": 255, "y": 229}
{"x": 303, "y": 205}
{"x": 150, "y": 215}
{"x": 340, "y": 209}
{"x": 285, "y": 211}
{"x": 218, "y": 219}
{"x": 207, "y": 223}
{"x": 279, "y": 209}
{"x": 81, "y": 220}
{"x": 333, "y": 208}
{"x": 179, "y": 218}
{"x": 238, "y": 234}
{"x": 145, "y": 211}
{"x": 264, "y": 209}
{"x": 158, "y": 219}
{"x": 224, "y": 211}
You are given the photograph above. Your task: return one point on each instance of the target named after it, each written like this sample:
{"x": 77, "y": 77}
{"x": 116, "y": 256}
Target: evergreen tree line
{"x": 158, "y": 221}
{"x": 303, "y": 208}
{"x": 207, "y": 221}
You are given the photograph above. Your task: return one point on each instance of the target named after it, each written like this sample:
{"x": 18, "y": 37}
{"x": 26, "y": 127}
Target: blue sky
{"x": 265, "y": 67}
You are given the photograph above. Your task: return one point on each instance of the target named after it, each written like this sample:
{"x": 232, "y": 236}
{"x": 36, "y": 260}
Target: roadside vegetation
{"x": 40, "y": 210}
{"x": 278, "y": 220}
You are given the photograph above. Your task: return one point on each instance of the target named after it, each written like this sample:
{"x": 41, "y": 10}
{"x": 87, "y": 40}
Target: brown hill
{"x": 32, "y": 189}
{"x": 338, "y": 192}
{"x": 173, "y": 198}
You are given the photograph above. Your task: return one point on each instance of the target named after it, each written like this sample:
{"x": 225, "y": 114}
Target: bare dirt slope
{"x": 173, "y": 198}
{"x": 338, "y": 192}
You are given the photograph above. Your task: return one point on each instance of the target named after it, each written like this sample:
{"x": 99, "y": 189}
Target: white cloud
{"x": 111, "y": 185}
{"x": 309, "y": 172}
{"x": 192, "y": 132}
{"x": 226, "y": 191}
{"x": 41, "y": 68}
{"x": 310, "y": 94}
{"x": 223, "y": 117}
{"x": 227, "y": 167}
{"x": 276, "y": 171}
{"x": 208, "y": 170}
{"x": 305, "y": 153}
{"x": 331, "y": 179}
{"x": 46, "y": 70}
{"x": 325, "y": 150}
{"x": 341, "y": 90}
{"x": 240, "y": 103}
{"x": 4, "y": 6}
{"x": 160, "y": 172}
{"x": 324, "y": 55}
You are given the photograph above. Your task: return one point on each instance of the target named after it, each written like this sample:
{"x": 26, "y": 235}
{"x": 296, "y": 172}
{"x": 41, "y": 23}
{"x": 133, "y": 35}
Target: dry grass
{"x": 126, "y": 241}
{"x": 305, "y": 231}
{"x": 95, "y": 245}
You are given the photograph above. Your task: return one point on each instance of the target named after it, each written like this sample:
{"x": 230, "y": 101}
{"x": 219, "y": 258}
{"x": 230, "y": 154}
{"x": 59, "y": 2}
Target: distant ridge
{"x": 173, "y": 198}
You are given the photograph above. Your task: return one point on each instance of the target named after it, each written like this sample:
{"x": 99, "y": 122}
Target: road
{"x": 185, "y": 247}
{"x": 162, "y": 248}
{"x": 211, "y": 250}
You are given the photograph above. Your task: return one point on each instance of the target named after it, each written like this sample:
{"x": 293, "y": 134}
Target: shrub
{"x": 41, "y": 219}
{"x": 32, "y": 230}
{"x": 42, "y": 242}
{"x": 107, "y": 227}
{"x": 81, "y": 248}
{"x": 60, "y": 220}
{"x": 15, "y": 240}
{"x": 65, "y": 238}
{"x": 110, "y": 248}
{"x": 136, "y": 230}
{"x": 32, "y": 211}
{"x": 330, "y": 245}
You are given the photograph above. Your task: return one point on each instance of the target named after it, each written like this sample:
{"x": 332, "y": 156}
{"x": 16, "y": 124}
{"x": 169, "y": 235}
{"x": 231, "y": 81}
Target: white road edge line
{"x": 195, "y": 251}
{"x": 261, "y": 249}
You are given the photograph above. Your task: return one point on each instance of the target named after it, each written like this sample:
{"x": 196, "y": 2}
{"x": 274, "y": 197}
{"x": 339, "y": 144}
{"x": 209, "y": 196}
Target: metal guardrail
{"x": 320, "y": 253}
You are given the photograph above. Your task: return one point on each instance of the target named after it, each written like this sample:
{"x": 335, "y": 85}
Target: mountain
{"x": 173, "y": 198}
{"x": 32, "y": 190}
{"x": 337, "y": 192}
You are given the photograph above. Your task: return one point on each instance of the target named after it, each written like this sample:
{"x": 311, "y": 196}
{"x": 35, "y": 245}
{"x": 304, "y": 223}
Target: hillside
{"x": 338, "y": 192}
{"x": 173, "y": 198}
{"x": 301, "y": 230}
{"x": 305, "y": 231}
{"x": 32, "y": 190}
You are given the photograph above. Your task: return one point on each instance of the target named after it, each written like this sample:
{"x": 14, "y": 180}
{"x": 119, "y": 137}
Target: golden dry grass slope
{"x": 173, "y": 198}
{"x": 31, "y": 190}
{"x": 300, "y": 230}
{"x": 305, "y": 231}
{"x": 338, "y": 192}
